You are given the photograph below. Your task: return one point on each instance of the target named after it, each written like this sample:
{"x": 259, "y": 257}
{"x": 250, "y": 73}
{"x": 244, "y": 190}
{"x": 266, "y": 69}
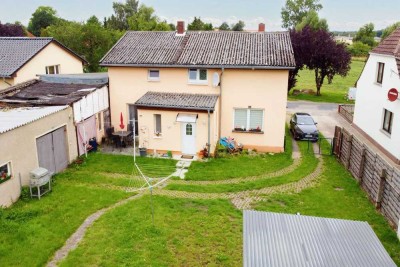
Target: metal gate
{"x": 324, "y": 146}
{"x": 52, "y": 150}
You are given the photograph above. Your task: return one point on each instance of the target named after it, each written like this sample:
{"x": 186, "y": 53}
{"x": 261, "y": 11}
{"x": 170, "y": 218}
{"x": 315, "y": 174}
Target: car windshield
{"x": 305, "y": 120}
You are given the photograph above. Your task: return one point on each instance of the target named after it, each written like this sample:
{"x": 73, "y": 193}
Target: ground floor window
{"x": 157, "y": 124}
{"x": 5, "y": 172}
{"x": 248, "y": 119}
{"x": 387, "y": 121}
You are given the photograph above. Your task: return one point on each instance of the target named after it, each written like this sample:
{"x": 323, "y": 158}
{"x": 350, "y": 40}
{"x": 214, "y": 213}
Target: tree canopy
{"x": 11, "y": 30}
{"x": 366, "y": 35}
{"x": 198, "y": 25}
{"x": 122, "y": 13}
{"x": 224, "y": 27}
{"x": 388, "y": 30}
{"x": 239, "y": 26}
{"x": 295, "y": 10}
{"x": 317, "y": 50}
{"x": 313, "y": 21}
{"x": 43, "y": 17}
{"x": 145, "y": 20}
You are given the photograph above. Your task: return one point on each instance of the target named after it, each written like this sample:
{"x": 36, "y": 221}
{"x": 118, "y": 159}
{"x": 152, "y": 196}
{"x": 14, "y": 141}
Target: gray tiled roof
{"x": 178, "y": 101}
{"x": 17, "y": 51}
{"x": 274, "y": 239}
{"x": 203, "y": 49}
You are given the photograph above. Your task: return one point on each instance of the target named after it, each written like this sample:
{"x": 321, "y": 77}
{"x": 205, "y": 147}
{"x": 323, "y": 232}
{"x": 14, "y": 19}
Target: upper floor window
{"x": 153, "y": 75}
{"x": 197, "y": 76}
{"x": 53, "y": 69}
{"x": 248, "y": 119}
{"x": 379, "y": 76}
{"x": 387, "y": 121}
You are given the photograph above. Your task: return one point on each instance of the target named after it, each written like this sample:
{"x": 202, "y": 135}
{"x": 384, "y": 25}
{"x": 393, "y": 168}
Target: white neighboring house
{"x": 375, "y": 115}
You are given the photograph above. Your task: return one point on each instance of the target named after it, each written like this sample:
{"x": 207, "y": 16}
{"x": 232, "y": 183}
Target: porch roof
{"x": 181, "y": 101}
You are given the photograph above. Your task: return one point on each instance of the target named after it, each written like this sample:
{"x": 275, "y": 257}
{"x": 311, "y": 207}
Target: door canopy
{"x": 184, "y": 117}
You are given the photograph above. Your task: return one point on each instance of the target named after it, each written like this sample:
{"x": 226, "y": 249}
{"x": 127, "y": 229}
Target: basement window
{"x": 197, "y": 76}
{"x": 53, "y": 69}
{"x": 5, "y": 172}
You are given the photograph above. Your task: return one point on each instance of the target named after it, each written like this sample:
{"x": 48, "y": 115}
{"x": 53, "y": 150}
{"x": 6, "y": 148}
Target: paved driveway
{"x": 324, "y": 113}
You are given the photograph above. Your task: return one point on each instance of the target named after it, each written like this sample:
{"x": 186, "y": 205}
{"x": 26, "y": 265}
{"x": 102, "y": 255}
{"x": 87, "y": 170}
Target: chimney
{"x": 180, "y": 28}
{"x": 261, "y": 27}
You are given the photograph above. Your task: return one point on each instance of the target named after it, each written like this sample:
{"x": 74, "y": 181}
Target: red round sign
{"x": 393, "y": 94}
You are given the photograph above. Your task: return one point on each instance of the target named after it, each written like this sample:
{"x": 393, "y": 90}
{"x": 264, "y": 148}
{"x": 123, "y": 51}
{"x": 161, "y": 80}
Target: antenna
{"x": 215, "y": 79}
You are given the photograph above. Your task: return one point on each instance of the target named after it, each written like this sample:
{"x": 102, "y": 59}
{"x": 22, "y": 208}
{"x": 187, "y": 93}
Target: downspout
{"x": 220, "y": 105}
{"x": 209, "y": 141}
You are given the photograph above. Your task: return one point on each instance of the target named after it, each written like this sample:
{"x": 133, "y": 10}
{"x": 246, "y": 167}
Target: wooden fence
{"x": 347, "y": 111}
{"x": 377, "y": 177}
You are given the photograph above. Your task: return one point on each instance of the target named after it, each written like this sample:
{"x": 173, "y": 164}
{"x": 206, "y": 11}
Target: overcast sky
{"x": 341, "y": 14}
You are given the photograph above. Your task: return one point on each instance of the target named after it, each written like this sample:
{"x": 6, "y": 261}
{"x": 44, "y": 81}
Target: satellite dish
{"x": 215, "y": 79}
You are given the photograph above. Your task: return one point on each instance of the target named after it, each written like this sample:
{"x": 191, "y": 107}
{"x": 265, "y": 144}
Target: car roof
{"x": 302, "y": 114}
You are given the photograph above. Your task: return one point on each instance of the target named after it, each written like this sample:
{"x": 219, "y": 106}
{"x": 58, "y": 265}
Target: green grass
{"x": 185, "y": 233}
{"x": 337, "y": 196}
{"x": 307, "y": 166}
{"x": 332, "y": 93}
{"x": 238, "y": 165}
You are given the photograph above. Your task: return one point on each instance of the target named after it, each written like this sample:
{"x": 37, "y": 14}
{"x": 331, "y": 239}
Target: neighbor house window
{"x": 153, "y": 75}
{"x": 53, "y": 69}
{"x": 248, "y": 119}
{"x": 157, "y": 124}
{"x": 5, "y": 172}
{"x": 198, "y": 76}
{"x": 381, "y": 68}
{"x": 387, "y": 121}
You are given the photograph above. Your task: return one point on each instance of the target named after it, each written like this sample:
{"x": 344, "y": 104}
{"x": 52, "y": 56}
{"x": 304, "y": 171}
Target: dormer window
{"x": 197, "y": 76}
{"x": 53, "y": 69}
{"x": 379, "y": 76}
{"x": 153, "y": 75}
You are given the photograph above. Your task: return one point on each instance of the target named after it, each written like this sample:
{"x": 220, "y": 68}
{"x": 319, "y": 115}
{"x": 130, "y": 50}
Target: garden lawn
{"x": 332, "y": 93}
{"x": 236, "y": 166}
{"x": 337, "y": 196}
{"x": 308, "y": 164}
{"x": 185, "y": 233}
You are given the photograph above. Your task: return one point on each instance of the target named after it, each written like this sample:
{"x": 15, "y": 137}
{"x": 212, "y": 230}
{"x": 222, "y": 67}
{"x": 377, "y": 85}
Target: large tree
{"x": 122, "y": 13}
{"x": 366, "y": 35}
{"x": 224, "y": 27}
{"x": 295, "y": 10}
{"x": 388, "y": 30}
{"x": 198, "y": 25}
{"x": 317, "y": 50}
{"x": 145, "y": 20}
{"x": 313, "y": 21}
{"x": 239, "y": 26}
{"x": 11, "y": 30}
{"x": 43, "y": 17}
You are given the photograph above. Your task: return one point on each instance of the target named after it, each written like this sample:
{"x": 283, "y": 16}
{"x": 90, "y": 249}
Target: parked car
{"x": 303, "y": 127}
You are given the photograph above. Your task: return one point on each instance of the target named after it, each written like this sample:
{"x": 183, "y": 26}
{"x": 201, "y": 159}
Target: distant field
{"x": 334, "y": 92}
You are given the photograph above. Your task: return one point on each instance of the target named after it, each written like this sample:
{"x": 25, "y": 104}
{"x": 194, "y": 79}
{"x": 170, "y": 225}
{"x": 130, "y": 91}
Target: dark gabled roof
{"x": 259, "y": 50}
{"x": 178, "y": 101}
{"x": 390, "y": 46}
{"x": 15, "y": 52}
{"x": 40, "y": 93}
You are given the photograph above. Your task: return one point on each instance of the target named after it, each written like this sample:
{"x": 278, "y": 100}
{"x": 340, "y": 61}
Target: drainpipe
{"x": 220, "y": 105}
{"x": 209, "y": 141}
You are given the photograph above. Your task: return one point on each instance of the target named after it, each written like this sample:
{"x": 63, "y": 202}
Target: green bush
{"x": 358, "y": 49}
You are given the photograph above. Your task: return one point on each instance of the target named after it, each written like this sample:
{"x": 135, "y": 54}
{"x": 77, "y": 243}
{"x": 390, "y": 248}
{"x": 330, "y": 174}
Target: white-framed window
{"x": 157, "y": 124}
{"x": 379, "y": 74}
{"x": 5, "y": 172}
{"x": 387, "y": 121}
{"x": 248, "y": 119}
{"x": 197, "y": 76}
{"x": 55, "y": 69}
{"x": 153, "y": 75}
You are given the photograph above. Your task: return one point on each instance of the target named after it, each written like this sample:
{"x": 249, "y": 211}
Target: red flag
{"x": 122, "y": 126}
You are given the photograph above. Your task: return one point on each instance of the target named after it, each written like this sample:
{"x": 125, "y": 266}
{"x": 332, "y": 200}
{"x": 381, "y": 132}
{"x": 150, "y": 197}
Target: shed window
{"x": 53, "y": 69}
{"x": 198, "y": 76}
{"x": 154, "y": 75}
{"x": 248, "y": 119}
{"x": 381, "y": 68}
{"x": 387, "y": 121}
{"x": 157, "y": 124}
{"x": 5, "y": 172}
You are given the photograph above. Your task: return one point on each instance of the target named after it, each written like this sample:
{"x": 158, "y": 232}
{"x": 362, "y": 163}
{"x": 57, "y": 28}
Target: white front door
{"x": 188, "y": 138}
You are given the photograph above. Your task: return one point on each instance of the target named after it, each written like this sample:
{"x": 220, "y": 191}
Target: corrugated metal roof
{"x": 17, "y": 117}
{"x": 205, "y": 49}
{"x": 273, "y": 239}
{"x": 178, "y": 101}
{"x": 81, "y": 78}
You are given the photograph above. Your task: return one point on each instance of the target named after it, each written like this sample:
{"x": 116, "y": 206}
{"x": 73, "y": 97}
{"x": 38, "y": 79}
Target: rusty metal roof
{"x": 259, "y": 50}
{"x": 178, "y": 101}
{"x": 275, "y": 240}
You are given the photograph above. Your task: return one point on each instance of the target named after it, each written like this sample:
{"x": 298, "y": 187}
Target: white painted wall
{"x": 91, "y": 104}
{"x": 372, "y": 100}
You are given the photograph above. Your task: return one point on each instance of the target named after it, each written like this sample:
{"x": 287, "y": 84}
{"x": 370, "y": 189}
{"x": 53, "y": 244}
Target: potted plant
{"x": 240, "y": 128}
{"x": 257, "y": 130}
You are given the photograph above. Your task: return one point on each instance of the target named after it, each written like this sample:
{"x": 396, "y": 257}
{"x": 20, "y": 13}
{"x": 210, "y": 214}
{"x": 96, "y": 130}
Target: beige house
{"x": 23, "y": 58}
{"x": 31, "y": 137}
{"x": 185, "y": 90}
